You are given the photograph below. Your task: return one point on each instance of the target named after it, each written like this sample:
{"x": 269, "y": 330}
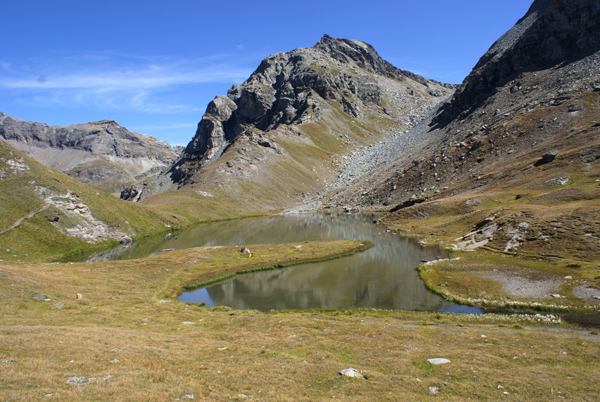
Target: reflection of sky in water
{"x": 456, "y": 308}
{"x": 198, "y": 296}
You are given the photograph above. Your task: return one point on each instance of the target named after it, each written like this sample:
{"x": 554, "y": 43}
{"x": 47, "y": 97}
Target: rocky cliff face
{"x": 534, "y": 91}
{"x": 309, "y": 104}
{"x": 552, "y": 32}
{"x": 102, "y": 154}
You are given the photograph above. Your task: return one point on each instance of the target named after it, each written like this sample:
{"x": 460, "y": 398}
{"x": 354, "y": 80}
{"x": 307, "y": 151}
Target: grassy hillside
{"x": 40, "y": 206}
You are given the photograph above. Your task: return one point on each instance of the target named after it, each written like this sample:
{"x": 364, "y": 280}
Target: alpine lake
{"x": 382, "y": 277}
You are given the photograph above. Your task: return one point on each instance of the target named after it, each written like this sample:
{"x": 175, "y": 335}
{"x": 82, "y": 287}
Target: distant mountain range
{"x": 102, "y": 154}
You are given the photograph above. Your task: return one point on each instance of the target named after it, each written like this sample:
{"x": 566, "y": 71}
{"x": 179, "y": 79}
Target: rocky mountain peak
{"x": 105, "y": 122}
{"x": 293, "y": 88}
{"x": 347, "y": 50}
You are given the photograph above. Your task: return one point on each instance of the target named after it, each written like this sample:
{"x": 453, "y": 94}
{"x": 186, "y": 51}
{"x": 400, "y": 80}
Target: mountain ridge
{"x": 330, "y": 100}
{"x": 102, "y": 153}
{"x": 552, "y": 32}
{"x": 489, "y": 120}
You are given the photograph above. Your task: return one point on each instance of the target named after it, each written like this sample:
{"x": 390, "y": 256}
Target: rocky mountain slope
{"x": 534, "y": 91}
{"x": 509, "y": 166}
{"x": 47, "y": 214}
{"x": 283, "y": 135}
{"x": 102, "y": 154}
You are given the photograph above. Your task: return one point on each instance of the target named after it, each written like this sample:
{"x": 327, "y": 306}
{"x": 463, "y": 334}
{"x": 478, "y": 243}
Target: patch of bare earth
{"x": 519, "y": 284}
{"x": 587, "y": 293}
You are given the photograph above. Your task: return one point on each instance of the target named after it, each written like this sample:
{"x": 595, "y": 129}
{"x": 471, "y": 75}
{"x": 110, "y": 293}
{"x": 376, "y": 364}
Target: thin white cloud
{"x": 117, "y": 80}
{"x": 151, "y": 84}
{"x": 5, "y": 65}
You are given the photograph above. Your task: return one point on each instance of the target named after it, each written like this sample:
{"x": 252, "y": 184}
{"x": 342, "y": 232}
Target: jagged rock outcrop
{"x": 311, "y": 96}
{"x": 102, "y": 154}
{"x": 134, "y": 193}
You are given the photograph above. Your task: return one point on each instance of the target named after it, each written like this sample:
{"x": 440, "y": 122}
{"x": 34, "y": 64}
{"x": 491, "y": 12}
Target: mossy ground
{"x": 481, "y": 279}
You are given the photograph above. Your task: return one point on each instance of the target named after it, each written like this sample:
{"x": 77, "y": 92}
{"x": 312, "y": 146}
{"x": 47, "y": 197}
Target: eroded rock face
{"x": 94, "y": 153}
{"x": 552, "y": 32}
{"x": 77, "y": 219}
{"x": 289, "y": 89}
{"x": 12, "y": 167}
{"x": 534, "y": 88}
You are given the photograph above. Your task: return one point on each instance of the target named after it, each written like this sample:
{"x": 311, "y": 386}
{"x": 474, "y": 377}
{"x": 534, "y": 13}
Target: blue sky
{"x": 153, "y": 66}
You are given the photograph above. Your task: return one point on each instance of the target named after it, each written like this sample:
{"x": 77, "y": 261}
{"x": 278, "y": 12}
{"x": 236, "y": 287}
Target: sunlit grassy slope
{"x": 35, "y": 235}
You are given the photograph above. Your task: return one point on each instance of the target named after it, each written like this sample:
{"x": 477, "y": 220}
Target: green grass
{"x": 38, "y": 239}
{"x": 287, "y": 261}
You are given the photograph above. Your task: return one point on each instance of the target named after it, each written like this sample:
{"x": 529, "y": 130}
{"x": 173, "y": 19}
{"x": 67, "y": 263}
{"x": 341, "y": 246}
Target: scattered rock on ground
{"x": 434, "y": 390}
{"x": 438, "y": 360}
{"x": 246, "y": 251}
{"x": 76, "y": 380}
{"x": 82, "y": 380}
{"x": 549, "y": 156}
{"x": 351, "y": 372}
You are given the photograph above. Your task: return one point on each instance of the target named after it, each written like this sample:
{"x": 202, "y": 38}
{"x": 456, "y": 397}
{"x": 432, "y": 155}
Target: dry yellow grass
{"x": 125, "y": 340}
{"x": 293, "y": 356}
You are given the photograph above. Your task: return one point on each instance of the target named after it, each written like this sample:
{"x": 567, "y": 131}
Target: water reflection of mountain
{"x": 382, "y": 277}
